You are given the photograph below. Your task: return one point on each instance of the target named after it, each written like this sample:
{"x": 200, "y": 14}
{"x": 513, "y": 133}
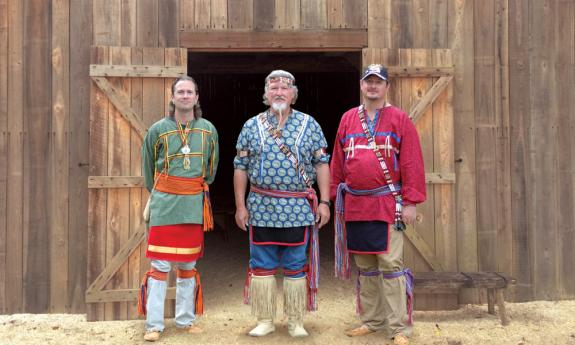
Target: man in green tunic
{"x": 179, "y": 161}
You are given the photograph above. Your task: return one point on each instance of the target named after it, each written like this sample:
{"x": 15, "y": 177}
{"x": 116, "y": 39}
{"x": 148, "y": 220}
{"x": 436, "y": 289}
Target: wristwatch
{"x": 325, "y": 202}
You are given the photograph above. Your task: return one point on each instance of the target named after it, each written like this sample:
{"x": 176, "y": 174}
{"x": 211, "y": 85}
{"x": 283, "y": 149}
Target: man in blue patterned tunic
{"x": 281, "y": 152}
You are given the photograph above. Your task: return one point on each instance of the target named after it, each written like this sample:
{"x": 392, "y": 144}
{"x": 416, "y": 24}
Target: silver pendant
{"x": 186, "y": 149}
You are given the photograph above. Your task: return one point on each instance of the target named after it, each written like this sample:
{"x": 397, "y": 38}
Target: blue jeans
{"x": 185, "y": 297}
{"x": 272, "y": 256}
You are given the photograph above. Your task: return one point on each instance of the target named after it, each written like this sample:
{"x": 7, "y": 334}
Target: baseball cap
{"x": 375, "y": 69}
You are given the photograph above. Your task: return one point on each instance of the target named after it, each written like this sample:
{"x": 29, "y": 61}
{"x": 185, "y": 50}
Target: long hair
{"x": 197, "y": 108}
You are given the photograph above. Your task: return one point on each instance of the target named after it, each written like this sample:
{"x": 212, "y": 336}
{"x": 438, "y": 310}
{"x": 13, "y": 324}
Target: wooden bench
{"x": 494, "y": 282}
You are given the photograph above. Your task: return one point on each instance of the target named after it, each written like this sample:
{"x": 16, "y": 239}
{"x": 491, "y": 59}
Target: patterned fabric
{"x": 268, "y": 168}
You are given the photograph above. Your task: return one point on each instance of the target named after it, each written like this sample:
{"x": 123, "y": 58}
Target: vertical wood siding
{"x": 513, "y": 124}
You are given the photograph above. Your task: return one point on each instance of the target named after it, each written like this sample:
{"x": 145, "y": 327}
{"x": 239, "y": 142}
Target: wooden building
{"x": 486, "y": 81}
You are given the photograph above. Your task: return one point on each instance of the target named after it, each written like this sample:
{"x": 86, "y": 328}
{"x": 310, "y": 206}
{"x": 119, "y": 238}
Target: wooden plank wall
{"x": 513, "y": 103}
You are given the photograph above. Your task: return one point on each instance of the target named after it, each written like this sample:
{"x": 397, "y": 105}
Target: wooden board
{"x": 348, "y": 40}
{"x": 106, "y": 15}
{"x": 264, "y": 13}
{"x": 37, "y": 103}
{"x": 3, "y": 148}
{"x": 240, "y": 14}
{"x": 287, "y": 15}
{"x": 167, "y": 23}
{"x": 519, "y": 78}
{"x": 59, "y": 160}
{"x": 202, "y": 14}
{"x": 461, "y": 39}
{"x": 97, "y": 211}
{"x": 80, "y": 37}
{"x": 147, "y": 20}
{"x": 313, "y": 14}
{"x": 379, "y": 23}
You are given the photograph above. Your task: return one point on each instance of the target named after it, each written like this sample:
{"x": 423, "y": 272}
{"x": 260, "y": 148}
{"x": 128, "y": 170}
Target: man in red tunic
{"x": 377, "y": 180}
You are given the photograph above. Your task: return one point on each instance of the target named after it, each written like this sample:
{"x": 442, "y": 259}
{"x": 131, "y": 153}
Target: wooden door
{"x": 130, "y": 91}
{"x": 421, "y": 84}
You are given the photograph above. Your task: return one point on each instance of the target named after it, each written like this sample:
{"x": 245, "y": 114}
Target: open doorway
{"x": 232, "y": 85}
{"x": 231, "y": 89}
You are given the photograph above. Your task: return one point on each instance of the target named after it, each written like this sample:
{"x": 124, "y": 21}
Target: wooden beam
{"x": 120, "y": 102}
{"x": 427, "y": 100}
{"x": 143, "y": 71}
{"x": 121, "y": 295}
{"x": 440, "y": 178}
{"x": 117, "y": 261}
{"x": 305, "y": 40}
{"x": 421, "y": 246}
{"x": 115, "y": 182}
{"x": 419, "y": 71}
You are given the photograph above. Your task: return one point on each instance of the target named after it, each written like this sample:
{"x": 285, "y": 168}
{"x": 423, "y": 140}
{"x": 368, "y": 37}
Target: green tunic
{"x": 161, "y": 151}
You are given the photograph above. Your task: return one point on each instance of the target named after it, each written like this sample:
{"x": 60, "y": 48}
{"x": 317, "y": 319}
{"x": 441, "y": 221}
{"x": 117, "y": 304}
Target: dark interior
{"x": 231, "y": 88}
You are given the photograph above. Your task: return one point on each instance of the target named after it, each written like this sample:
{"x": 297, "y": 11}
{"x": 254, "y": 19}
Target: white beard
{"x": 279, "y": 107}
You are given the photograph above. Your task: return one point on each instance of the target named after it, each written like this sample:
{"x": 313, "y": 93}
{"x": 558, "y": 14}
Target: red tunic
{"x": 355, "y": 163}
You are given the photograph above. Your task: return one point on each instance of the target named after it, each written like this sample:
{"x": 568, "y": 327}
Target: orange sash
{"x": 187, "y": 186}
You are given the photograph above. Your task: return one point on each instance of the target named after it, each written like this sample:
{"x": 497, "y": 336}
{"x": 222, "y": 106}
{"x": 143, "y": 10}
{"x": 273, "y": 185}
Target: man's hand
{"x": 322, "y": 216}
{"x": 408, "y": 214}
{"x": 242, "y": 217}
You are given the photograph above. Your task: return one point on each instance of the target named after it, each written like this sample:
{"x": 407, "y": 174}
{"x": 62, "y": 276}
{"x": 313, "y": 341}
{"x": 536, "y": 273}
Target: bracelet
{"x": 325, "y": 202}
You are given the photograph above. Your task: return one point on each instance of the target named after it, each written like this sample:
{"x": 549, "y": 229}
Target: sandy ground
{"x": 227, "y": 320}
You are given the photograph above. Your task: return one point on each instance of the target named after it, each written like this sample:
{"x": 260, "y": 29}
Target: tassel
{"x": 208, "y": 217}
{"x": 199, "y": 295}
{"x": 358, "y": 308}
{"x": 247, "y": 287}
{"x": 342, "y": 266}
{"x": 142, "y": 297}
{"x": 313, "y": 273}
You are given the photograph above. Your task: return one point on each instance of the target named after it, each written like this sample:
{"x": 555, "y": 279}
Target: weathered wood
{"x": 355, "y": 14}
{"x": 440, "y": 178}
{"x": 264, "y": 12}
{"x": 116, "y": 262}
{"x": 564, "y": 45}
{"x": 420, "y": 71}
{"x": 439, "y": 23}
{"x": 97, "y": 211}
{"x": 542, "y": 226}
{"x": 106, "y": 17}
{"x": 218, "y": 15}
{"x": 413, "y": 92}
{"x": 402, "y": 27}
{"x": 121, "y": 295}
{"x": 187, "y": 17}
{"x": 499, "y": 298}
{"x": 202, "y": 14}
{"x": 118, "y": 99}
{"x": 240, "y": 14}
{"x": 136, "y": 267}
{"x": 379, "y": 23}
{"x": 313, "y": 14}
{"x": 59, "y": 160}
{"x": 443, "y": 158}
{"x": 3, "y": 148}
{"x": 167, "y": 23}
{"x": 287, "y": 15}
{"x": 37, "y": 104}
{"x": 269, "y": 41}
{"x": 79, "y": 127}
{"x": 147, "y": 22}
{"x": 421, "y": 106}
{"x": 136, "y": 71}
{"x": 519, "y": 77}
{"x": 423, "y": 248}
{"x": 461, "y": 40}
{"x": 334, "y": 14}
{"x": 128, "y": 20}
{"x": 421, "y": 28}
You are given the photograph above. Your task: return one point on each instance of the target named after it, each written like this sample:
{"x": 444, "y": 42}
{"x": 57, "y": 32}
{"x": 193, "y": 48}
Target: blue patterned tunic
{"x": 269, "y": 168}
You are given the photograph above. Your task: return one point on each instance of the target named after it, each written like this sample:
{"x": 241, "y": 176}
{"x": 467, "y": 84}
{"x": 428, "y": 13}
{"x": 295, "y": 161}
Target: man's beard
{"x": 279, "y": 107}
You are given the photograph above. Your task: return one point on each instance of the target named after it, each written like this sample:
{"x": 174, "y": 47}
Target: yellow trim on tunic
{"x": 174, "y": 250}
